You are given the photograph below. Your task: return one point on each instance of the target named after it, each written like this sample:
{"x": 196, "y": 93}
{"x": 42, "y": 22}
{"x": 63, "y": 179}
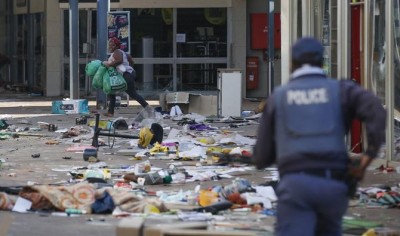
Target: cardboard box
{"x": 196, "y": 232}
{"x": 177, "y": 98}
{"x": 136, "y": 226}
{"x": 5, "y": 223}
{"x": 158, "y": 229}
{"x": 132, "y": 226}
{"x": 76, "y": 106}
{"x": 205, "y": 105}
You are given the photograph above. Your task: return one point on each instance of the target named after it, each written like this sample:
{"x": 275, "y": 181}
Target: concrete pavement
{"x": 23, "y": 168}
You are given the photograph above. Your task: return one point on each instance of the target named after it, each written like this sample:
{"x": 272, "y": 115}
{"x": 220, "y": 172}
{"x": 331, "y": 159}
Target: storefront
{"x": 359, "y": 44}
{"x": 176, "y": 45}
{"x": 22, "y": 41}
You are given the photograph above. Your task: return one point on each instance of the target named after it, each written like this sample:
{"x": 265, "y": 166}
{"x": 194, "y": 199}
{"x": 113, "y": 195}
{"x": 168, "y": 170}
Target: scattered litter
{"x": 52, "y": 142}
{"x": 22, "y": 205}
{"x": 194, "y": 150}
{"x": 36, "y": 155}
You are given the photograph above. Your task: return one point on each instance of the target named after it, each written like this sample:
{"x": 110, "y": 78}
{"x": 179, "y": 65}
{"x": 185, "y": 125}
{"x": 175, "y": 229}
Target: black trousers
{"x": 131, "y": 91}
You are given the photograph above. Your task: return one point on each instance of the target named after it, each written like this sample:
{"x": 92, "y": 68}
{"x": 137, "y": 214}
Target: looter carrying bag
{"x": 97, "y": 82}
{"x": 113, "y": 82}
{"x": 92, "y": 67}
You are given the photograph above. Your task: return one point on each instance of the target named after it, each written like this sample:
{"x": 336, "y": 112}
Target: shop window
{"x": 154, "y": 24}
{"x": 205, "y": 32}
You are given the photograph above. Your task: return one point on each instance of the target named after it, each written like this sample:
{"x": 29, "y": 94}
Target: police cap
{"x": 307, "y": 50}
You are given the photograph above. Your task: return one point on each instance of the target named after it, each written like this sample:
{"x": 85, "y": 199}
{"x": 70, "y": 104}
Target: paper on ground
{"x": 266, "y": 191}
{"x": 22, "y": 205}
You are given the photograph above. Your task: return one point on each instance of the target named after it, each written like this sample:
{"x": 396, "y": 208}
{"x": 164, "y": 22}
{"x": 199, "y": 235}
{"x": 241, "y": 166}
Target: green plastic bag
{"x": 113, "y": 82}
{"x": 97, "y": 82}
{"x": 91, "y": 67}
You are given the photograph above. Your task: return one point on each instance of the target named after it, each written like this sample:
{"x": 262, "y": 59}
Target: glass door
{"x": 29, "y": 53}
{"x": 87, "y": 48}
{"x": 22, "y": 50}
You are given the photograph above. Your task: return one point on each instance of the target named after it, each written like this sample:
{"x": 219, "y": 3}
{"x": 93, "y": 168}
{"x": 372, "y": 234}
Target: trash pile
{"x": 385, "y": 197}
{"x": 191, "y": 150}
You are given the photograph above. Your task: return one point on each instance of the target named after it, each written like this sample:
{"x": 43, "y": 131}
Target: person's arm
{"x": 359, "y": 166}
{"x": 130, "y": 60}
{"x": 117, "y": 59}
{"x": 365, "y": 106}
{"x": 264, "y": 153}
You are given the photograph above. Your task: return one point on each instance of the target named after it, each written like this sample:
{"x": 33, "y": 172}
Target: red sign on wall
{"x": 259, "y": 30}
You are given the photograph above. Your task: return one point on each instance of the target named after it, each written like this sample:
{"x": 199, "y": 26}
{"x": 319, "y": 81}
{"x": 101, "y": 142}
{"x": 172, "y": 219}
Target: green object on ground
{"x": 358, "y": 227}
{"x": 3, "y": 124}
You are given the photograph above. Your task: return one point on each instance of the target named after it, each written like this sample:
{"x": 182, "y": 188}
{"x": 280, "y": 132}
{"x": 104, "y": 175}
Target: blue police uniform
{"x": 303, "y": 130}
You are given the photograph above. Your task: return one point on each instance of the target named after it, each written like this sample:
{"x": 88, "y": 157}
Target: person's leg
{"x": 331, "y": 207}
{"x": 111, "y": 105}
{"x": 131, "y": 91}
{"x": 295, "y": 212}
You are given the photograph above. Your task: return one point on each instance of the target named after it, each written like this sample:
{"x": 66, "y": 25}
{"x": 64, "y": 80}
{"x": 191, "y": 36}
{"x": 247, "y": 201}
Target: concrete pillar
{"x": 343, "y": 44}
{"x": 74, "y": 49}
{"x": 148, "y": 72}
{"x": 53, "y": 82}
{"x": 103, "y": 7}
{"x": 237, "y": 17}
{"x": 307, "y": 18}
{"x": 389, "y": 79}
{"x": 288, "y": 35}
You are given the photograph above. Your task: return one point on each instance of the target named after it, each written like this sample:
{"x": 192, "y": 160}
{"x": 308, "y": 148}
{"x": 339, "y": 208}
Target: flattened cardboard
{"x": 194, "y": 232}
{"x": 205, "y": 105}
{"x": 158, "y": 229}
{"x": 132, "y": 226}
{"x": 5, "y": 223}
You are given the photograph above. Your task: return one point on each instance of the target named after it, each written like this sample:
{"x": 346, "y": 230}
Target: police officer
{"x": 303, "y": 130}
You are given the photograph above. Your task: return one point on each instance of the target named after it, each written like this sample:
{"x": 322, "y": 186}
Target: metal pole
{"x": 13, "y": 46}
{"x": 30, "y": 57}
{"x": 175, "y": 52}
{"x": 74, "y": 49}
{"x": 343, "y": 43}
{"x": 271, "y": 52}
{"x": 306, "y": 18}
{"x": 103, "y": 7}
{"x": 389, "y": 78}
{"x": 366, "y": 45}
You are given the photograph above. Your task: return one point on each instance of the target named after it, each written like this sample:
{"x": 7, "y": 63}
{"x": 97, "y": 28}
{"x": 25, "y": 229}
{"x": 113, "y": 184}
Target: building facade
{"x": 361, "y": 40}
{"x": 188, "y": 40}
{"x": 179, "y": 45}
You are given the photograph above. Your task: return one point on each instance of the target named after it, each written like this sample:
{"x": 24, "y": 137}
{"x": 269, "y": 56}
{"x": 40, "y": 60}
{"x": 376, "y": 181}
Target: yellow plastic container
{"x": 207, "y": 198}
{"x": 103, "y": 124}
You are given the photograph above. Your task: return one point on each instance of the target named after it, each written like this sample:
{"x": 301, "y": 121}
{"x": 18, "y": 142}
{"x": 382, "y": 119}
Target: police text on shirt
{"x": 307, "y": 97}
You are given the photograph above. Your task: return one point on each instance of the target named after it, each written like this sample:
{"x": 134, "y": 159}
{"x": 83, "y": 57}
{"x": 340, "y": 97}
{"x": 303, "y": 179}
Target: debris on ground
{"x": 194, "y": 150}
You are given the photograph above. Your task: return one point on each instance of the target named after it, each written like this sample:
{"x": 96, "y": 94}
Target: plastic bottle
{"x": 75, "y": 211}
